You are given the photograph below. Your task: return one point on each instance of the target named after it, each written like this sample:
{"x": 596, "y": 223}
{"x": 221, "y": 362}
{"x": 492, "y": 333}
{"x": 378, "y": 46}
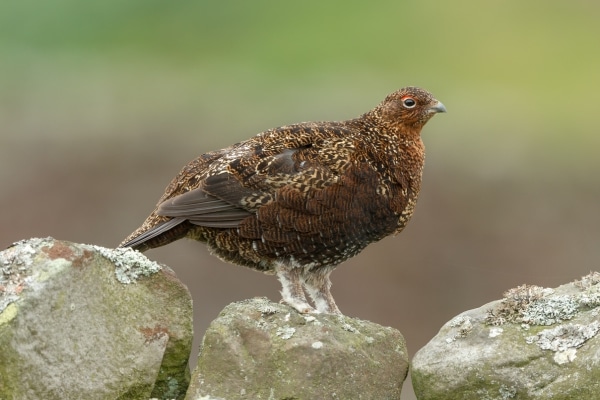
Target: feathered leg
{"x": 291, "y": 288}
{"x": 318, "y": 285}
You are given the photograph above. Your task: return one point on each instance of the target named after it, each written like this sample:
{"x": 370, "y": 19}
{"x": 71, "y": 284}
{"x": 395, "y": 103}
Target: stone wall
{"x": 86, "y": 322}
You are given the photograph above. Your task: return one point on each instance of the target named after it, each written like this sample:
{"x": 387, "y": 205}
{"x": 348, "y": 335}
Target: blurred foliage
{"x": 511, "y": 67}
{"x": 529, "y": 42}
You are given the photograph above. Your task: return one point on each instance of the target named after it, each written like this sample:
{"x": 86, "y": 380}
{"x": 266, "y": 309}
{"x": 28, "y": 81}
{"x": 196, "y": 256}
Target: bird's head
{"x": 408, "y": 109}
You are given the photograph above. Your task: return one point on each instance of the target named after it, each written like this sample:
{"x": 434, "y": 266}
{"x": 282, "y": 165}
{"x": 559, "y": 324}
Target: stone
{"x": 256, "y": 349}
{"x": 535, "y": 343}
{"x": 81, "y": 321}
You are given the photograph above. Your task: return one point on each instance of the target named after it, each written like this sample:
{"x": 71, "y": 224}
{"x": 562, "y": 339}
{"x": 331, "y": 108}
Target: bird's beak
{"x": 437, "y": 108}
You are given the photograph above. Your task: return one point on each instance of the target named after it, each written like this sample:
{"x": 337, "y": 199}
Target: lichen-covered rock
{"x": 85, "y": 322}
{"x": 536, "y": 343}
{"x": 256, "y": 349}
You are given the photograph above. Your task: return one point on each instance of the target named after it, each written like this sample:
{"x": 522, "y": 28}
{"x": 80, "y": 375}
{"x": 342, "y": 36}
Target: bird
{"x": 298, "y": 200}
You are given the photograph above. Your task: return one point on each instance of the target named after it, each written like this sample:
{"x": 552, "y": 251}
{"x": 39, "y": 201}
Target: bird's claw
{"x": 301, "y": 306}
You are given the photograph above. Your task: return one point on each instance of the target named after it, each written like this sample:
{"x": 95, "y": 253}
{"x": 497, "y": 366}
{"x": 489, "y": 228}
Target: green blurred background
{"x": 101, "y": 103}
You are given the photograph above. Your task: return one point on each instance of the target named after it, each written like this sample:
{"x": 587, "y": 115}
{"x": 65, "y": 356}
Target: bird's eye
{"x": 409, "y": 102}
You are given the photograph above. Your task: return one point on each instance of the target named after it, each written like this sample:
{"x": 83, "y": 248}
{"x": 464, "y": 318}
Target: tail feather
{"x": 158, "y": 235}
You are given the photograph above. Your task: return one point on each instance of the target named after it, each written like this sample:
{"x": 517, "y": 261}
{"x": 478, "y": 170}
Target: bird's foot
{"x": 301, "y": 306}
{"x": 325, "y": 304}
{"x": 331, "y": 310}
{"x": 317, "y": 286}
{"x": 292, "y": 292}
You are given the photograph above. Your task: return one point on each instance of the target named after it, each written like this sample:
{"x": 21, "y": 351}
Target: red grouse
{"x": 298, "y": 200}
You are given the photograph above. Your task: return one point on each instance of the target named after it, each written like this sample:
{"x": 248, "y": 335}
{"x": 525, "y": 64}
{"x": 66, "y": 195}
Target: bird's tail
{"x": 146, "y": 238}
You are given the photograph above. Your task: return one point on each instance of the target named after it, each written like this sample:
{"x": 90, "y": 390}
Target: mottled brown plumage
{"x": 298, "y": 200}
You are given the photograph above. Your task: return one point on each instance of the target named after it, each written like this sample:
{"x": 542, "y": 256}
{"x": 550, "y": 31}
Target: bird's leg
{"x": 318, "y": 285}
{"x": 292, "y": 292}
